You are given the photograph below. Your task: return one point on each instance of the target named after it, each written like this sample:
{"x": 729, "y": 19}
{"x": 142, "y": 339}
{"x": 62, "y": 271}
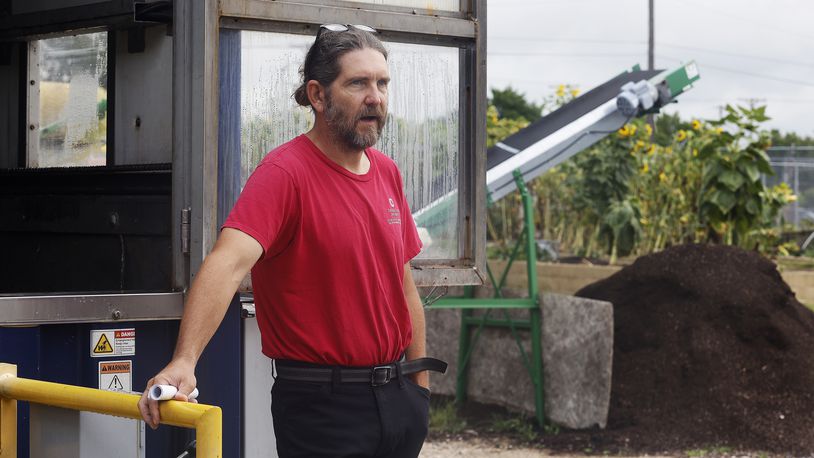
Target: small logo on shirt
{"x": 393, "y": 214}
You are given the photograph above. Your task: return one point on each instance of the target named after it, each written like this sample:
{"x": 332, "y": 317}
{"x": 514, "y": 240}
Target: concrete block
{"x": 443, "y": 328}
{"x": 577, "y": 358}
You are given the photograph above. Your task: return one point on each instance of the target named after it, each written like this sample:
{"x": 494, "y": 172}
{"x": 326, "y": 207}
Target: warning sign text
{"x": 116, "y": 375}
{"x": 112, "y": 342}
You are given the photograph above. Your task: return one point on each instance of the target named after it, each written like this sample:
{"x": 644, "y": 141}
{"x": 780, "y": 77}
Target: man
{"x": 324, "y": 226}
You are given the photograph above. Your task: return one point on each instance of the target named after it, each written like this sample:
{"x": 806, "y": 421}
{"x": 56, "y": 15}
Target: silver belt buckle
{"x": 380, "y": 375}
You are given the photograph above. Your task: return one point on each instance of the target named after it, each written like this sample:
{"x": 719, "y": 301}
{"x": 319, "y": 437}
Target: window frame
{"x": 464, "y": 31}
{"x": 30, "y": 122}
{"x": 467, "y": 23}
{"x": 462, "y": 12}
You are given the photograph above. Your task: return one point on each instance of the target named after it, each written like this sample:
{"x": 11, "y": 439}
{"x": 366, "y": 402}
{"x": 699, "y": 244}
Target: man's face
{"x": 356, "y": 102}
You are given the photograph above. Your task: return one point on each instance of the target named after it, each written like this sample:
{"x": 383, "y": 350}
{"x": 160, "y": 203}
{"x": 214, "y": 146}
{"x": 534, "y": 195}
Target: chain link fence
{"x": 794, "y": 165}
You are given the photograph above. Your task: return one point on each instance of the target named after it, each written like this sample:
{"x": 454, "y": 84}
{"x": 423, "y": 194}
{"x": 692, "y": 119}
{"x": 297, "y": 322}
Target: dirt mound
{"x": 711, "y": 349}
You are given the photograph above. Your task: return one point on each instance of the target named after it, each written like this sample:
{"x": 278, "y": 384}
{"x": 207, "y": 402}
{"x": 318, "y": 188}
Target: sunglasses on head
{"x": 344, "y": 28}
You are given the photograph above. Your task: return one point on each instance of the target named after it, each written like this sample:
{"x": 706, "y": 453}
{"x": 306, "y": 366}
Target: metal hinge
{"x": 247, "y": 309}
{"x": 185, "y": 229}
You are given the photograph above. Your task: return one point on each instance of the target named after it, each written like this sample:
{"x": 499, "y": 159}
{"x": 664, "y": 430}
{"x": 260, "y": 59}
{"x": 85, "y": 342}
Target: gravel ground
{"x": 476, "y": 448}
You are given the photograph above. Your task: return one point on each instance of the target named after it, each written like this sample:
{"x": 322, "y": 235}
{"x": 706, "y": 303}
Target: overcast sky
{"x": 745, "y": 49}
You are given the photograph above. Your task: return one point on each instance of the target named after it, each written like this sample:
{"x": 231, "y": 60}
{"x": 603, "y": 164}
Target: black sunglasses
{"x": 344, "y": 28}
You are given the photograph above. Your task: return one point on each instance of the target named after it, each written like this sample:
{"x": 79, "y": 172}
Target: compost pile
{"x": 711, "y": 348}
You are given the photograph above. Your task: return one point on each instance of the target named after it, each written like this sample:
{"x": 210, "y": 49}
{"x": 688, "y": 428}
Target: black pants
{"x": 349, "y": 419}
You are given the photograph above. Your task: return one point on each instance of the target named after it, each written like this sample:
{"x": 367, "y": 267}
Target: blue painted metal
{"x": 21, "y": 346}
{"x": 220, "y": 377}
{"x": 61, "y": 353}
{"x": 229, "y": 169}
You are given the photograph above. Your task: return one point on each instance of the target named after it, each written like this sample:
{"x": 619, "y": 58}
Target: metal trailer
{"x": 128, "y": 130}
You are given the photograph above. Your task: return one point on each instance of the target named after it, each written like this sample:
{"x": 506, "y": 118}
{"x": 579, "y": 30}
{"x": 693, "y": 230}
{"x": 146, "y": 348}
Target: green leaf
{"x": 620, "y": 215}
{"x": 723, "y": 199}
{"x": 712, "y": 170}
{"x": 753, "y": 207}
{"x": 731, "y": 179}
{"x": 730, "y": 110}
{"x": 707, "y": 149}
{"x": 765, "y": 168}
{"x": 759, "y": 114}
{"x": 763, "y": 163}
{"x": 750, "y": 169}
{"x": 726, "y": 137}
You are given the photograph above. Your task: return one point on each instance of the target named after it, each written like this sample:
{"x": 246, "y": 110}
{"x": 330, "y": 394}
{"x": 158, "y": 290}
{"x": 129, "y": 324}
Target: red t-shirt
{"x": 328, "y": 288}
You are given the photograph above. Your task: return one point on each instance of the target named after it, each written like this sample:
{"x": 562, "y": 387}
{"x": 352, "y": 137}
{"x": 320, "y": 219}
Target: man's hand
{"x": 422, "y": 379}
{"x": 179, "y": 373}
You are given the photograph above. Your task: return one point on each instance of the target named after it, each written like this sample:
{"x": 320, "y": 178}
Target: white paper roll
{"x": 166, "y": 392}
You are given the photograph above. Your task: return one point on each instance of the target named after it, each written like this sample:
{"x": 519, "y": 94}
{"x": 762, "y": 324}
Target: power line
{"x": 565, "y": 40}
{"x": 740, "y": 18}
{"x": 658, "y": 43}
{"x": 768, "y": 100}
{"x": 651, "y": 36}
{"x": 741, "y": 72}
{"x": 753, "y": 101}
{"x": 732, "y": 54}
{"x": 525, "y": 4}
{"x": 561, "y": 54}
{"x": 512, "y": 79}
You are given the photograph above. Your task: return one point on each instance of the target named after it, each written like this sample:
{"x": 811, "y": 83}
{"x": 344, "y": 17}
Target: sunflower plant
{"x": 666, "y": 187}
{"x": 635, "y": 193}
{"x": 735, "y": 206}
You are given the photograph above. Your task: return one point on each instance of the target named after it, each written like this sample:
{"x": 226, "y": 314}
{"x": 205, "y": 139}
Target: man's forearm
{"x": 208, "y": 300}
{"x": 220, "y": 275}
{"x": 212, "y": 290}
{"x": 418, "y": 346}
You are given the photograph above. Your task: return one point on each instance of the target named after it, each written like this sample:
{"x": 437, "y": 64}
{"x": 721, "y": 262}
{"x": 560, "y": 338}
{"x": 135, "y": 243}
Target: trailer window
{"x": 421, "y": 135}
{"x": 67, "y": 101}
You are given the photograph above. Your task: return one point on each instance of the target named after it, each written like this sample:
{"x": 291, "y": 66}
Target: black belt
{"x": 377, "y": 375}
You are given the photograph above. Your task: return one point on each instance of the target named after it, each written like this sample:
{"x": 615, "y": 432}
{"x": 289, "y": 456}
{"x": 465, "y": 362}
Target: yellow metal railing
{"x": 205, "y": 419}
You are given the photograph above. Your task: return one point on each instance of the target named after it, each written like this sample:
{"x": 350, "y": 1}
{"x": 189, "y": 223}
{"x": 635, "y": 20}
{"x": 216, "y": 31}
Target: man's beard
{"x": 343, "y": 124}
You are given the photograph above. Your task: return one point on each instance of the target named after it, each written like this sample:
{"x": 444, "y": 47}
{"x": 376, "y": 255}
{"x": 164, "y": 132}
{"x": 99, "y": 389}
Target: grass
{"x": 795, "y": 262}
{"x": 444, "y": 418}
{"x": 520, "y": 427}
{"x": 792, "y": 263}
{"x": 715, "y": 450}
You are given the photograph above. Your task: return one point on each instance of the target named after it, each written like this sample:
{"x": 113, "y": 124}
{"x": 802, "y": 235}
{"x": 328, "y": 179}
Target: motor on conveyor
{"x": 640, "y": 97}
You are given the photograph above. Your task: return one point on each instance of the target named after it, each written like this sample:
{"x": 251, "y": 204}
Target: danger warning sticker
{"x": 112, "y": 342}
{"x": 116, "y": 375}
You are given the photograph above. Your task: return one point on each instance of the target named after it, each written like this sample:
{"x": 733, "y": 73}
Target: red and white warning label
{"x": 116, "y": 375}
{"x": 112, "y": 342}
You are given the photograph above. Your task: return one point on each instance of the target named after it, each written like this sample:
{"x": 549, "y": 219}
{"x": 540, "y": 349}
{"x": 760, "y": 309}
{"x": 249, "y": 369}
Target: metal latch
{"x": 185, "y": 229}
{"x": 247, "y": 310}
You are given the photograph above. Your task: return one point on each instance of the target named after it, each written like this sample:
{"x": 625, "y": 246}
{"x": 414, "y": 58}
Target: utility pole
{"x": 753, "y": 101}
{"x": 651, "y": 42}
{"x": 651, "y": 61}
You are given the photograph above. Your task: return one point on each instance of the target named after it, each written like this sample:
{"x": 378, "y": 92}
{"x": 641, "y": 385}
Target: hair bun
{"x": 301, "y": 95}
